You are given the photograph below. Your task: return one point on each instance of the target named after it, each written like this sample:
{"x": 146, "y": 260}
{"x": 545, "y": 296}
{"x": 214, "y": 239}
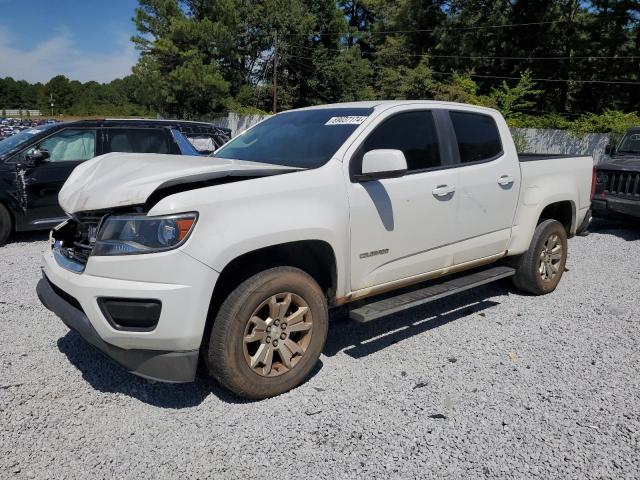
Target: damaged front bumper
{"x": 147, "y": 312}
{"x": 159, "y": 365}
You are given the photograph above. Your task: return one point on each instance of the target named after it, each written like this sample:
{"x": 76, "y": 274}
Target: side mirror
{"x": 379, "y": 164}
{"x": 609, "y": 149}
{"x": 36, "y": 156}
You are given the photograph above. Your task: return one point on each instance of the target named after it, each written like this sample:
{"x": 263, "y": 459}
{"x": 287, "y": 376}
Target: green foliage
{"x": 511, "y": 100}
{"x": 462, "y": 88}
{"x": 200, "y": 58}
{"x": 551, "y": 121}
{"x": 610, "y": 121}
{"x": 117, "y": 98}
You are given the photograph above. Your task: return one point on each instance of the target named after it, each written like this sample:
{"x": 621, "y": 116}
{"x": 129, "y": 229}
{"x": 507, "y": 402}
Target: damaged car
{"x": 35, "y": 163}
{"x": 228, "y": 265}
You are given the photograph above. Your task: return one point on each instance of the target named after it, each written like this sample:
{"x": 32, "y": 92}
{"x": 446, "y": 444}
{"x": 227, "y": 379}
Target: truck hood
{"x": 627, "y": 163}
{"x": 122, "y": 179}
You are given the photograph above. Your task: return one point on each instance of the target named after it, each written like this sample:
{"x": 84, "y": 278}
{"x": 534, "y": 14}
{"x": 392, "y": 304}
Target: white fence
{"x": 539, "y": 140}
{"x": 534, "y": 140}
{"x": 17, "y": 113}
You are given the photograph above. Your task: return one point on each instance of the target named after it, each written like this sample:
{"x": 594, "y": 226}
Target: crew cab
{"x": 618, "y": 180}
{"x": 233, "y": 261}
{"x": 35, "y": 163}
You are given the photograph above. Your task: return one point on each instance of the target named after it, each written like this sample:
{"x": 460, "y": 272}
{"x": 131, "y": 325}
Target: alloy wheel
{"x": 277, "y": 334}
{"x": 550, "y": 258}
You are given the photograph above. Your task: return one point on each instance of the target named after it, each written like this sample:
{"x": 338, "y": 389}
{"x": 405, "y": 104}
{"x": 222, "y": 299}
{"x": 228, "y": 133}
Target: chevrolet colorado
{"x": 232, "y": 262}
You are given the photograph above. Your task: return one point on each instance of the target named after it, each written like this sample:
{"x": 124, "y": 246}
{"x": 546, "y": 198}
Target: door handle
{"x": 443, "y": 190}
{"x": 505, "y": 180}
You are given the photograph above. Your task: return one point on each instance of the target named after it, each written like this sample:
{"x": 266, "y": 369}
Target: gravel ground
{"x": 490, "y": 383}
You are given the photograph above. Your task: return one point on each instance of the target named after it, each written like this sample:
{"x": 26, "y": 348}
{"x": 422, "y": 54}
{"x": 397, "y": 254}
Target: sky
{"x": 81, "y": 39}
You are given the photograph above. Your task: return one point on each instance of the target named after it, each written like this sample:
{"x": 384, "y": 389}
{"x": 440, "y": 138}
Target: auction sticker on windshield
{"x": 350, "y": 120}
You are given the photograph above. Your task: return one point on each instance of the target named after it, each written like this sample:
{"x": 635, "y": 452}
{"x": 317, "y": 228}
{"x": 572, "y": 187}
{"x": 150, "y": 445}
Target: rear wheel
{"x": 6, "y": 226}
{"x": 268, "y": 334}
{"x": 541, "y": 267}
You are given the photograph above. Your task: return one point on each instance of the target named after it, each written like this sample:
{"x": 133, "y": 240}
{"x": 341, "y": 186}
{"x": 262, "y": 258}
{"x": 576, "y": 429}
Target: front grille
{"x": 78, "y": 237}
{"x": 623, "y": 184}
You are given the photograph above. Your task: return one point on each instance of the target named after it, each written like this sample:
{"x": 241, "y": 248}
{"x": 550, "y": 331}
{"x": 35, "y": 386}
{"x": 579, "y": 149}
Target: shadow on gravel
{"x": 29, "y": 237}
{"x": 628, "y": 230}
{"x": 106, "y": 376}
{"x": 356, "y": 340}
{"x": 360, "y": 340}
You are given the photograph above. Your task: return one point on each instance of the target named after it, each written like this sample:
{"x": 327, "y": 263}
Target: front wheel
{"x": 540, "y": 269}
{"x": 268, "y": 334}
{"x": 5, "y": 225}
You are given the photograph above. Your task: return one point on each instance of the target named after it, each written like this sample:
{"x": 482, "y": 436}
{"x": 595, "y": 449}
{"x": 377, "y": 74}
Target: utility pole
{"x": 275, "y": 73}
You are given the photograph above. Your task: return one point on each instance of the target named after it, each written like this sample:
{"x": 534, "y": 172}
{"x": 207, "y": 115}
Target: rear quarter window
{"x": 137, "y": 140}
{"x": 477, "y": 136}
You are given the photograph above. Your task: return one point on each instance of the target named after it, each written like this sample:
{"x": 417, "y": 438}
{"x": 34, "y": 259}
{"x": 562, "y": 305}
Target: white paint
{"x": 118, "y": 179}
{"x": 414, "y": 230}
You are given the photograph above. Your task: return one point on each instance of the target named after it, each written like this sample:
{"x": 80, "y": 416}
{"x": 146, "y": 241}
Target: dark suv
{"x": 35, "y": 163}
{"x": 618, "y": 180}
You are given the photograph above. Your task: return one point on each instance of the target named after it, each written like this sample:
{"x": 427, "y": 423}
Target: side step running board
{"x": 435, "y": 291}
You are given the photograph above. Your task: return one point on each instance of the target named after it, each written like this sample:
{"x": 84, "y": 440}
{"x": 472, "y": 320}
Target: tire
{"x": 6, "y": 225}
{"x": 540, "y": 269}
{"x": 237, "y": 354}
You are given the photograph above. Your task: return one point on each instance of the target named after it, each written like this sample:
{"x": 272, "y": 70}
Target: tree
{"x": 202, "y": 57}
{"x": 511, "y": 100}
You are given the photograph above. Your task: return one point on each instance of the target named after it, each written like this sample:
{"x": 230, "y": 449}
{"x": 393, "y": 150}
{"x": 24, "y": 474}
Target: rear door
{"x": 488, "y": 185}
{"x": 402, "y": 227}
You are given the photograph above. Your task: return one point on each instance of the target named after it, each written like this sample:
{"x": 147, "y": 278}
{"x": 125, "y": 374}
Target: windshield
{"x": 630, "y": 143}
{"x": 304, "y": 138}
{"x": 15, "y": 141}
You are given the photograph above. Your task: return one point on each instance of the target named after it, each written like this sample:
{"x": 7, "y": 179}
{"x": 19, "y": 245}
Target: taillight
{"x": 593, "y": 183}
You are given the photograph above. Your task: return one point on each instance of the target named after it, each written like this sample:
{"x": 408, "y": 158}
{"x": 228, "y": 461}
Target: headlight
{"x": 135, "y": 234}
{"x": 601, "y": 178}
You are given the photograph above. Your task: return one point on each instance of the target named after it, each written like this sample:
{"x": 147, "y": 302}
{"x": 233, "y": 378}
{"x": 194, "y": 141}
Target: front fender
{"x": 248, "y": 215}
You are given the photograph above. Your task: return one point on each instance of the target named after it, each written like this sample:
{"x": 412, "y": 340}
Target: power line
{"x": 496, "y": 57}
{"x": 498, "y": 77}
{"x": 557, "y": 80}
{"x": 446, "y": 28}
{"x": 430, "y": 30}
{"x": 523, "y": 58}
{"x": 311, "y": 86}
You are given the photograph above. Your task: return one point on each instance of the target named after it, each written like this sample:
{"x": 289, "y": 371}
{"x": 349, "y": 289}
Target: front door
{"x": 38, "y": 185}
{"x": 401, "y": 227}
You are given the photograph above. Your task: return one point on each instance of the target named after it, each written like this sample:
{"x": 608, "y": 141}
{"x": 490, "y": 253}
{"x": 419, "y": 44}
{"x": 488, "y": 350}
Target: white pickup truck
{"x": 232, "y": 262}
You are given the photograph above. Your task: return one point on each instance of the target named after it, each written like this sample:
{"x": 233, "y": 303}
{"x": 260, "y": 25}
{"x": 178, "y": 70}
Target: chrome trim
{"x": 47, "y": 221}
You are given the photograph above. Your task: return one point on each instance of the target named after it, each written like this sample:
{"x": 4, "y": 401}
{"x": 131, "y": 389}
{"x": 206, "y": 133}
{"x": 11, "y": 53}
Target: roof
{"x": 383, "y": 104}
{"x": 111, "y": 122}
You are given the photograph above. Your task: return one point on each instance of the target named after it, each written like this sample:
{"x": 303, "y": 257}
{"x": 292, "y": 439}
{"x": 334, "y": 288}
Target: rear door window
{"x": 477, "y": 136}
{"x": 137, "y": 140}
